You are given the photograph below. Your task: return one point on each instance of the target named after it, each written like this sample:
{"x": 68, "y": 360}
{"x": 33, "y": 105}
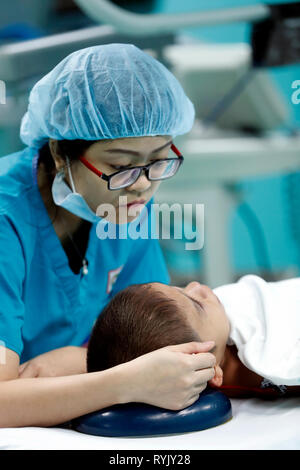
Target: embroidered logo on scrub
{"x": 112, "y": 277}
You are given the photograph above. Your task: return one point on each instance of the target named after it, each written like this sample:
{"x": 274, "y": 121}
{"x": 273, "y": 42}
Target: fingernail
{"x": 208, "y": 343}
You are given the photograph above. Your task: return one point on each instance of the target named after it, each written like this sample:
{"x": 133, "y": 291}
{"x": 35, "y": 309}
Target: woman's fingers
{"x": 202, "y": 361}
{"x": 195, "y": 396}
{"x": 197, "y": 354}
{"x": 203, "y": 376}
{"x": 200, "y": 386}
{"x": 193, "y": 347}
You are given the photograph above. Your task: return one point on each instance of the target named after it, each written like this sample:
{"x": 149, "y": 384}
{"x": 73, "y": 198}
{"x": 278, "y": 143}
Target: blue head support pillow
{"x": 136, "y": 419}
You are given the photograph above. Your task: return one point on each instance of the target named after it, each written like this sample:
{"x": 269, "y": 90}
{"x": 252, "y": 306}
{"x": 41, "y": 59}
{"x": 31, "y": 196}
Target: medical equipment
{"x": 141, "y": 25}
{"x": 275, "y": 39}
{"x": 224, "y": 88}
{"x": 212, "y": 170}
{"x": 238, "y": 108}
{"x": 292, "y": 199}
{"x": 136, "y": 419}
{"x": 234, "y": 97}
{"x": 275, "y": 30}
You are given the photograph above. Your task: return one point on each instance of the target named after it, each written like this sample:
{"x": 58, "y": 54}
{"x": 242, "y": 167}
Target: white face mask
{"x": 71, "y": 200}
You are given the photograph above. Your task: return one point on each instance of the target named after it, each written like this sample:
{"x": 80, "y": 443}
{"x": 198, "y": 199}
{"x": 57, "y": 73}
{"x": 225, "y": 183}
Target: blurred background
{"x": 242, "y": 158}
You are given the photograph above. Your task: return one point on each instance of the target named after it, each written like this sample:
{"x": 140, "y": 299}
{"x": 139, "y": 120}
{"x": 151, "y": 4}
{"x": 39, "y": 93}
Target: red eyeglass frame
{"x": 108, "y": 177}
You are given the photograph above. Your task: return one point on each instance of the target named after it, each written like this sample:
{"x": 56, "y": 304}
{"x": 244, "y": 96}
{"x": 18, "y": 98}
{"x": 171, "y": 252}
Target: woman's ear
{"x": 56, "y": 155}
{"x": 218, "y": 378}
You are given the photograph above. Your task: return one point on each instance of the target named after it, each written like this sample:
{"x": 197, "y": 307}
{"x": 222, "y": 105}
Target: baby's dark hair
{"x": 138, "y": 320}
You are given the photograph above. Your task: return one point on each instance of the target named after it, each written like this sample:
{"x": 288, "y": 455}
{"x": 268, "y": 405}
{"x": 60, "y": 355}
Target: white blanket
{"x": 265, "y": 326}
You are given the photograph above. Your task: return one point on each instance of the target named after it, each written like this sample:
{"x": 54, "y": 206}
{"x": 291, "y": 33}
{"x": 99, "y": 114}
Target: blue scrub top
{"x": 43, "y": 304}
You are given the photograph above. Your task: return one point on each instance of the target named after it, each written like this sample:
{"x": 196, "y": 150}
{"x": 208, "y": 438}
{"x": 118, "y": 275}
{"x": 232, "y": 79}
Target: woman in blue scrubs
{"x": 96, "y": 116}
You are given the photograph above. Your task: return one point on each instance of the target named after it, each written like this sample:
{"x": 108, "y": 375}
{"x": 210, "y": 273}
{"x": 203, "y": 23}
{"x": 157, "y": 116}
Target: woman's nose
{"x": 141, "y": 185}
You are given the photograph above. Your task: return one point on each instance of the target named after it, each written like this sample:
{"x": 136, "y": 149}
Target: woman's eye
{"x": 118, "y": 167}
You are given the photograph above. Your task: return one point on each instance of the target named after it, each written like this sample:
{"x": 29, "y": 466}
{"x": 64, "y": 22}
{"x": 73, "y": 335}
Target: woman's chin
{"x": 127, "y": 220}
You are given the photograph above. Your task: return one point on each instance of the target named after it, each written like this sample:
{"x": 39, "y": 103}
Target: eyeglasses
{"x": 155, "y": 171}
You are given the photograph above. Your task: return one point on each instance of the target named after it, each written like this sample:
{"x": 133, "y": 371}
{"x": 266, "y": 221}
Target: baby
{"x": 255, "y": 326}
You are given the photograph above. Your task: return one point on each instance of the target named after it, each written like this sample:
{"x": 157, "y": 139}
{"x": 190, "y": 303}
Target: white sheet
{"x": 265, "y": 326}
{"x": 256, "y": 425}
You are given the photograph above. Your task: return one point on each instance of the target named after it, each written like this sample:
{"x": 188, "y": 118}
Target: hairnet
{"x": 106, "y": 92}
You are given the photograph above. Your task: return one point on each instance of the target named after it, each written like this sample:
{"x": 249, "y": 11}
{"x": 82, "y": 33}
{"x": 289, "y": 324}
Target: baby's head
{"x": 146, "y": 317}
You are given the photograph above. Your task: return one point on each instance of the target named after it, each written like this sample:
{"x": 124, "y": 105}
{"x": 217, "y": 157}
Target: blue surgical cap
{"x": 106, "y": 92}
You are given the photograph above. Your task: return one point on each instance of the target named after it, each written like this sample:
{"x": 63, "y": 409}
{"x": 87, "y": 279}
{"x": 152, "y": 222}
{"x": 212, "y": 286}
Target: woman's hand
{"x": 70, "y": 360}
{"x": 172, "y": 377}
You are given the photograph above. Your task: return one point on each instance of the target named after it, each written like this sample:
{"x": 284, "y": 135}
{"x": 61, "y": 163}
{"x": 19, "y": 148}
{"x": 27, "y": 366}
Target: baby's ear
{"x": 218, "y": 378}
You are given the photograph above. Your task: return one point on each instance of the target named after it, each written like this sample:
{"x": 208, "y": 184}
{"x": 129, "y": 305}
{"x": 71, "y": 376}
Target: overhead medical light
{"x": 276, "y": 40}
